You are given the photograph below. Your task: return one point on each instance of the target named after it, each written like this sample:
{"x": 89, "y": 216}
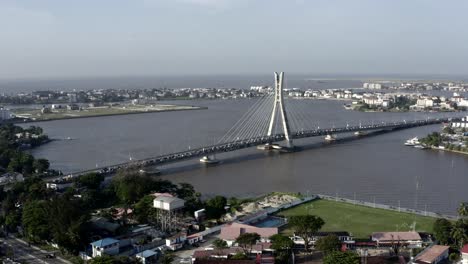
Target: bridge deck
{"x": 252, "y": 142}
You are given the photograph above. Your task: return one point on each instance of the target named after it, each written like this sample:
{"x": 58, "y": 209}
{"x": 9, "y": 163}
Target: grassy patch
{"x": 359, "y": 220}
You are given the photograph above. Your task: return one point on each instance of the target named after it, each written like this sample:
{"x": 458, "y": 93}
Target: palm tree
{"x": 167, "y": 259}
{"x": 459, "y": 233}
{"x": 463, "y": 209}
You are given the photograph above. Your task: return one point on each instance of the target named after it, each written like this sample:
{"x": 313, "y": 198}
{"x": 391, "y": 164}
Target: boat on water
{"x": 208, "y": 160}
{"x": 330, "y": 138}
{"x": 412, "y": 142}
{"x": 360, "y": 133}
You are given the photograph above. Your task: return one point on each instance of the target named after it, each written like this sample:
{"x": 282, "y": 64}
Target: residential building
{"x": 230, "y": 232}
{"x": 147, "y": 257}
{"x": 432, "y": 255}
{"x": 460, "y": 124}
{"x": 176, "y": 241}
{"x": 464, "y": 254}
{"x": 168, "y": 203}
{"x": 409, "y": 239}
{"x": 107, "y": 246}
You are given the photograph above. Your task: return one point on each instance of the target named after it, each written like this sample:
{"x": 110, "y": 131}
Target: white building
{"x": 425, "y": 102}
{"x": 464, "y": 254}
{"x": 5, "y": 114}
{"x": 409, "y": 239}
{"x": 168, "y": 203}
{"x": 462, "y": 124}
{"x": 107, "y": 246}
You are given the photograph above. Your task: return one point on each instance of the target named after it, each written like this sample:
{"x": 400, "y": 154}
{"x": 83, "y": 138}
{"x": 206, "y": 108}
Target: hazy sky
{"x": 65, "y": 38}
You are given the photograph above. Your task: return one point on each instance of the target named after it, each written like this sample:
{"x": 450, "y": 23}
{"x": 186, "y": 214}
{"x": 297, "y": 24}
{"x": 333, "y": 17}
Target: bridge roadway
{"x": 256, "y": 141}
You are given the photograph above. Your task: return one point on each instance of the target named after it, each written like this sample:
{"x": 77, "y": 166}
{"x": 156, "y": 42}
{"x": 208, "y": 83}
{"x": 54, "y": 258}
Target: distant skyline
{"x": 76, "y": 39}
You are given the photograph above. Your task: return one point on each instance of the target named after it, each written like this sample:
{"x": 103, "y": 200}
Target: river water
{"x": 375, "y": 168}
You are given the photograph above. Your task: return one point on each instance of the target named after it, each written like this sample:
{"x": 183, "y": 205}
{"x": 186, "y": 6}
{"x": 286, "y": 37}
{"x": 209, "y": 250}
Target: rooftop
{"x": 395, "y": 236}
{"x": 104, "y": 242}
{"x": 431, "y": 254}
{"x": 232, "y": 231}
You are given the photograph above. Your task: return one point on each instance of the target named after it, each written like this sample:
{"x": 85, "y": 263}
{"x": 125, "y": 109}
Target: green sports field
{"x": 359, "y": 220}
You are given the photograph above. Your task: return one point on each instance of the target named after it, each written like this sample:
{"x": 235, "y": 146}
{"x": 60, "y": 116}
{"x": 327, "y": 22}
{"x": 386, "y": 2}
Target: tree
{"x": 131, "y": 186}
{"x": 442, "y": 230}
{"x": 90, "y": 181}
{"x": 460, "y": 233}
{"x": 463, "y": 209}
{"x": 41, "y": 165}
{"x": 219, "y": 245}
{"x": 215, "y": 207}
{"x": 338, "y": 257}
{"x": 282, "y": 245}
{"x": 144, "y": 209}
{"x": 67, "y": 223}
{"x": 35, "y": 220}
{"x": 167, "y": 259}
{"x": 304, "y": 226}
{"x": 328, "y": 244}
{"x": 247, "y": 240}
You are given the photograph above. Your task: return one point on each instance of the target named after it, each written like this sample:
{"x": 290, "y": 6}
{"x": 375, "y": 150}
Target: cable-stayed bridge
{"x": 268, "y": 122}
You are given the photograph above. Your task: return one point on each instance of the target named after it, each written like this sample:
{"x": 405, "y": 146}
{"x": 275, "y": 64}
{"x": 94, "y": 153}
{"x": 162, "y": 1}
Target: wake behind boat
{"x": 412, "y": 142}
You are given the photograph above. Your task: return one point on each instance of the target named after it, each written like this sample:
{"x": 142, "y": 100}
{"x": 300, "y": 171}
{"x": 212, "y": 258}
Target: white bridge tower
{"x": 279, "y": 106}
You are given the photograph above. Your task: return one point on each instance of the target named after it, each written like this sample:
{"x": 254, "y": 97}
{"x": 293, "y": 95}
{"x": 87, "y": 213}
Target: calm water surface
{"x": 376, "y": 167}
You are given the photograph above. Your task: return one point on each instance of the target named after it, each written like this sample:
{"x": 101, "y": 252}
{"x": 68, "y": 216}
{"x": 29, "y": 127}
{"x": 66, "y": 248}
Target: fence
{"x": 387, "y": 207}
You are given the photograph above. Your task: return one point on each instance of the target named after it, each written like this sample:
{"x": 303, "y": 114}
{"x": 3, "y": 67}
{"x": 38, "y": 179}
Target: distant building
{"x": 73, "y": 107}
{"x": 372, "y": 86}
{"x": 432, "y": 255}
{"x": 460, "y": 124}
{"x": 108, "y": 246}
{"x": 46, "y": 110}
{"x": 5, "y": 114}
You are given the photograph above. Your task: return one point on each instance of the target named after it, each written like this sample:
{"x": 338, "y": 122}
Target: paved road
{"x": 29, "y": 254}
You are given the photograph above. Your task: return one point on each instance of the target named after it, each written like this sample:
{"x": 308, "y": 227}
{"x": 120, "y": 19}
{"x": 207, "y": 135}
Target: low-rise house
{"x": 410, "y": 239}
{"x": 432, "y": 255}
{"x": 230, "y": 232}
{"x": 464, "y": 254}
{"x": 176, "y": 241}
{"x": 147, "y": 257}
{"x": 108, "y": 246}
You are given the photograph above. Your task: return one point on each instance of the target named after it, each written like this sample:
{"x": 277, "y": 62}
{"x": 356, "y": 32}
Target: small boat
{"x": 412, "y": 142}
{"x": 360, "y": 133}
{"x": 208, "y": 160}
{"x": 330, "y": 138}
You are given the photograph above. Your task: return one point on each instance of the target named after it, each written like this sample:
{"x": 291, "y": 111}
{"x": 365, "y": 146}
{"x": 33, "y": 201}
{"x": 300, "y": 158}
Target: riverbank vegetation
{"x": 13, "y": 141}
{"x": 450, "y": 139}
{"x": 359, "y": 220}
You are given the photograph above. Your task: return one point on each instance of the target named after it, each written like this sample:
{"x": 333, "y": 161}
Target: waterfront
{"x": 377, "y": 167}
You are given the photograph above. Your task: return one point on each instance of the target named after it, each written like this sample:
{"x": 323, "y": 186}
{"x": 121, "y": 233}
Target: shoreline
{"x": 103, "y": 115}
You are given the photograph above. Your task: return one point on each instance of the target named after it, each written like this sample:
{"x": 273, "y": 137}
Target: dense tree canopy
{"x": 328, "y": 244}
{"x": 247, "y": 240}
{"x": 305, "y": 225}
{"x": 338, "y": 257}
{"x": 215, "y": 207}
{"x": 442, "y": 231}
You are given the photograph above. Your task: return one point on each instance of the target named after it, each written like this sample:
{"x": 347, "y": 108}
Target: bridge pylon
{"x": 279, "y": 106}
